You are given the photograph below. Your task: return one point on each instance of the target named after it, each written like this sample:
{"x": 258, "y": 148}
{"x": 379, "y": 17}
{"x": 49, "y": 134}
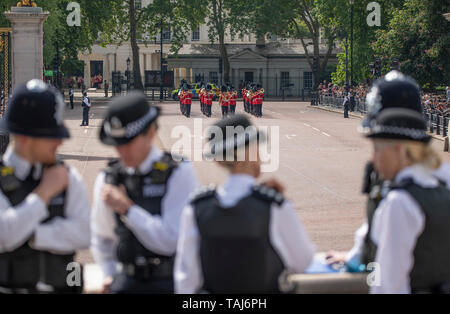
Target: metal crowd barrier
{"x": 437, "y": 123}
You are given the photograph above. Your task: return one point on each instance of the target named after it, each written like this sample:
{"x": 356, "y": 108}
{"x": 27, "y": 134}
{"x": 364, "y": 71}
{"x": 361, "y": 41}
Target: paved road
{"x": 321, "y": 161}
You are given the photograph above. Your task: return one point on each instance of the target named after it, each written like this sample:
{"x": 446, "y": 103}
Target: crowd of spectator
{"x": 334, "y": 90}
{"x": 437, "y": 103}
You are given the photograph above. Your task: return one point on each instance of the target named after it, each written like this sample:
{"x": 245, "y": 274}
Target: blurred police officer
{"x": 138, "y": 201}
{"x": 407, "y": 215}
{"x": 240, "y": 237}
{"x": 44, "y": 207}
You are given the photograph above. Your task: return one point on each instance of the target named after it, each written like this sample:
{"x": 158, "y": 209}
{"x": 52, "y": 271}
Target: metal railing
{"x": 358, "y": 105}
{"x": 437, "y": 122}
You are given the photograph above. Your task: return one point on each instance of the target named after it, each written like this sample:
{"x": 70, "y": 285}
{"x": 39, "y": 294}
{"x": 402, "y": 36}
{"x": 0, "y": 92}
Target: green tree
{"x": 141, "y": 24}
{"x": 419, "y": 36}
{"x": 224, "y": 17}
{"x": 299, "y": 19}
{"x": 336, "y": 15}
{"x": 68, "y": 39}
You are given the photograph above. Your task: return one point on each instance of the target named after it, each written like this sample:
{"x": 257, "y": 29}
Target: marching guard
{"x": 223, "y": 101}
{"x": 233, "y": 100}
{"x": 208, "y": 97}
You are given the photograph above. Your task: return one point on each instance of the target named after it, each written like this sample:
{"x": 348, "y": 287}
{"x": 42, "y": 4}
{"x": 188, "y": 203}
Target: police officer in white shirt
{"x": 407, "y": 234}
{"x": 443, "y": 173}
{"x": 44, "y": 206}
{"x": 138, "y": 201}
{"x": 86, "y": 104}
{"x": 240, "y": 237}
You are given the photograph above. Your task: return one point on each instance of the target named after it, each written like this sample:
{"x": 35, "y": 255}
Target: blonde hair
{"x": 422, "y": 153}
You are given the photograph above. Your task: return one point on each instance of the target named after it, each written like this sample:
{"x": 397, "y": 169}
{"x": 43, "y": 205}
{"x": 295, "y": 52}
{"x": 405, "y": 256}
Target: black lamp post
{"x": 346, "y": 61}
{"x": 351, "y": 41}
{"x": 128, "y": 73}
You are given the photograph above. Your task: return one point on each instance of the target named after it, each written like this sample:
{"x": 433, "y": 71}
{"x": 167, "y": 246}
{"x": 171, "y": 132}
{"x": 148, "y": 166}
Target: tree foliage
{"x": 419, "y": 36}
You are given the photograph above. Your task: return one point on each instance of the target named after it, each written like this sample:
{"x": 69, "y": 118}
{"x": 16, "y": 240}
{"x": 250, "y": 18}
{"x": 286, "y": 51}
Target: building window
{"x": 284, "y": 80}
{"x": 196, "y": 34}
{"x": 138, "y": 4}
{"x": 166, "y": 34}
{"x": 213, "y": 77}
{"x": 307, "y": 79}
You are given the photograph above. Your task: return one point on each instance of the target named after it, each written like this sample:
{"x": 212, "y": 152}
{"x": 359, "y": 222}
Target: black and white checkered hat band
{"x": 412, "y": 133}
{"x": 133, "y": 128}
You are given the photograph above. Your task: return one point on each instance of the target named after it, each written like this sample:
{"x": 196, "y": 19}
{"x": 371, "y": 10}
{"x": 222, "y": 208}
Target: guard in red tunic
{"x": 188, "y": 102}
{"x": 209, "y": 95}
{"x": 201, "y": 95}
{"x": 233, "y": 100}
{"x": 223, "y": 101}
{"x": 244, "y": 98}
{"x": 259, "y": 101}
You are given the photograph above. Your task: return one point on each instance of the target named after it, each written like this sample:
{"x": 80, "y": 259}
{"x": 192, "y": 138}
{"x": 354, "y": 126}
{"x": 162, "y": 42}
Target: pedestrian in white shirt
{"x": 44, "y": 206}
{"x": 240, "y": 237}
{"x": 138, "y": 201}
{"x": 407, "y": 234}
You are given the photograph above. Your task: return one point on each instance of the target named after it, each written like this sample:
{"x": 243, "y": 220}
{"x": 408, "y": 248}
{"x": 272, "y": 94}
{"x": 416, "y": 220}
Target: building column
{"x": 106, "y": 69}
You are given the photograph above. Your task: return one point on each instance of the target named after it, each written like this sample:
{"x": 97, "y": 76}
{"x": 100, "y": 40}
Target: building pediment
{"x": 247, "y": 54}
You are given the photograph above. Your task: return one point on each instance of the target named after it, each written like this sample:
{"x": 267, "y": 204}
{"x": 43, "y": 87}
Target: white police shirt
{"x": 87, "y": 102}
{"x": 397, "y": 223}
{"x": 157, "y": 233}
{"x": 60, "y": 235}
{"x": 287, "y": 235}
{"x": 443, "y": 173}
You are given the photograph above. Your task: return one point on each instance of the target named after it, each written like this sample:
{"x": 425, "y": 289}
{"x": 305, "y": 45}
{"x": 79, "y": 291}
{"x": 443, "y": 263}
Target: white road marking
{"x": 316, "y": 129}
{"x": 326, "y": 134}
{"x": 307, "y": 124}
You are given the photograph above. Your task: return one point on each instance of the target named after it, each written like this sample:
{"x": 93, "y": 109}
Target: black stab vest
{"x": 147, "y": 191}
{"x": 376, "y": 190}
{"x": 431, "y": 267}
{"x": 235, "y": 249}
{"x": 24, "y": 267}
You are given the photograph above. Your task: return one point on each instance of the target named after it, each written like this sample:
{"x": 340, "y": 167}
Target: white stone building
{"x": 271, "y": 63}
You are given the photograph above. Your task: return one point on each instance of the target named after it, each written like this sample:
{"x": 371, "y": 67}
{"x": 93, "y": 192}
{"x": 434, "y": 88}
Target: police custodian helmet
{"x": 235, "y": 132}
{"x": 36, "y": 109}
{"x": 395, "y": 110}
{"x": 127, "y": 117}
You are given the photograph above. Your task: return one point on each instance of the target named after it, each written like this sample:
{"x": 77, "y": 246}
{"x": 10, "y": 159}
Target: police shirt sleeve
{"x": 354, "y": 255}
{"x": 397, "y": 224}
{"x": 289, "y": 238}
{"x": 187, "y": 272}
{"x": 18, "y": 223}
{"x": 72, "y": 232}
{"x": 160, "y": 233}
{"x": 103, "y": 239}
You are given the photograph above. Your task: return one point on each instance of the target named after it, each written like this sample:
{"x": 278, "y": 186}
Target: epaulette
{"x": 162, "y": 169}
{"x": 403, "y": 184}
{"x": 270, "y": 195}
{"x": 204, "y": 192}
{"x": 113, "y": 163}
{"x": 8, "y": 179}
